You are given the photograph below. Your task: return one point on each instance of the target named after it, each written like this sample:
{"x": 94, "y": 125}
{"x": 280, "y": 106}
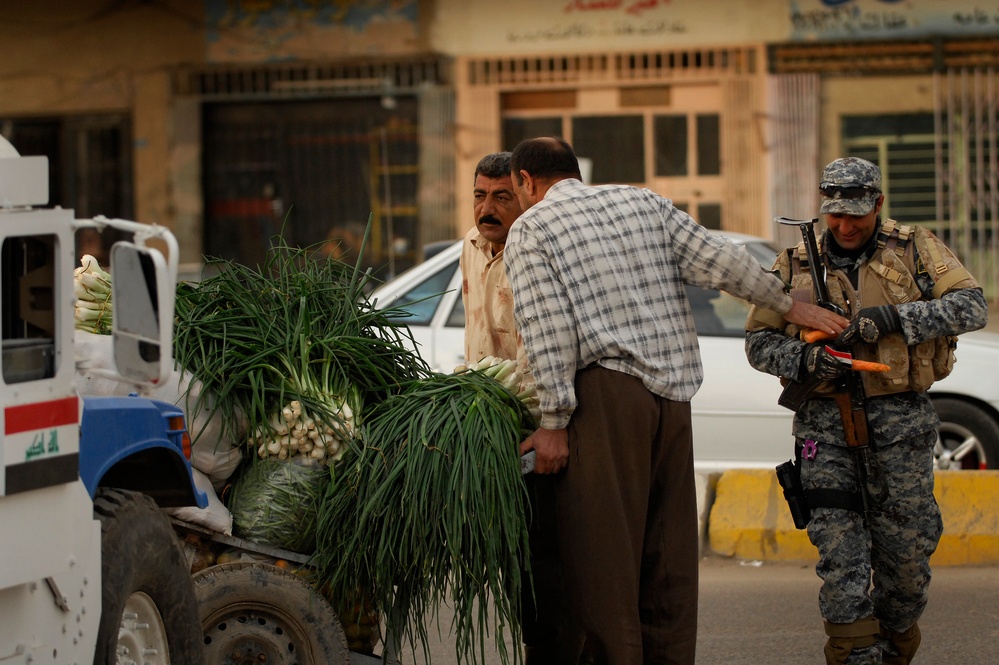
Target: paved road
{"x": 754, "y": 613}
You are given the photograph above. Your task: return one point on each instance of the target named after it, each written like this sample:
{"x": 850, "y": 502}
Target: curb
{"x": 748, "y": 518}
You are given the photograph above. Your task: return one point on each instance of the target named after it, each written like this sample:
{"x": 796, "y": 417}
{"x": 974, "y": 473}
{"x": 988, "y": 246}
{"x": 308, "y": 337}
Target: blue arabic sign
{"x": 827, "y": 20}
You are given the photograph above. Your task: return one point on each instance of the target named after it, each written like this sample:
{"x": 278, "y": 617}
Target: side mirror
{"x": 143, "y": 297}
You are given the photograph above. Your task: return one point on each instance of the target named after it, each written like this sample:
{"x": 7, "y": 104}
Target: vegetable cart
{"x": 361, "y": 489}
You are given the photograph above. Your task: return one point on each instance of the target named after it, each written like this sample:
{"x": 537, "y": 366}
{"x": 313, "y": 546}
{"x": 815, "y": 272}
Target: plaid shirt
{"x": 597, "y": 275}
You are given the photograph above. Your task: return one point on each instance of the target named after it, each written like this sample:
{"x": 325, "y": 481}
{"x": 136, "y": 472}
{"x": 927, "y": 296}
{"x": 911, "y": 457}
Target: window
{"x": 671, "y": 145}
{"x": 903, "y": 146}
{"x": 709, "y": 215}
{"x": 90, "y": 168}
{"x": 422, "y": 300}
{"x": 516, "y": 130}
{"x": 27, "y": 277}
{"x": 708, "y": 150}
{"x": 616, "y": 144}
{"x": 717, "y": 313}
{"x": 456, "y": 319}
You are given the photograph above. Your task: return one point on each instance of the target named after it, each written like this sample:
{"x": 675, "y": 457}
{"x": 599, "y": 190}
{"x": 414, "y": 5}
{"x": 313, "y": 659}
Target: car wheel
{"x": 266, "y": 615}
{"x": 968, "y": 437}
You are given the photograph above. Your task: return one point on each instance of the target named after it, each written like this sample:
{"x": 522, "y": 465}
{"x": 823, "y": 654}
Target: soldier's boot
{"x": 904, "y": 643}
{"x": 845, "y": 638}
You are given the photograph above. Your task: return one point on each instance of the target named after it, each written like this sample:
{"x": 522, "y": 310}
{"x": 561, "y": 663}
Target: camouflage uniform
{"x": 896, "y": 543}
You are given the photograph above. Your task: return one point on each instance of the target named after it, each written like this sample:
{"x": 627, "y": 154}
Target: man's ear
{"x": 530, "y": 185}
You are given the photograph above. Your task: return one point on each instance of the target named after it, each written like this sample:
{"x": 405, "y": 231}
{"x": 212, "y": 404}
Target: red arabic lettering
{"x": 633, "y": 7}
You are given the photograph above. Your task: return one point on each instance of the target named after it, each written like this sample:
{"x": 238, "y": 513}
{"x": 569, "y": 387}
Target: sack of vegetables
{"x": 275, "y": 502}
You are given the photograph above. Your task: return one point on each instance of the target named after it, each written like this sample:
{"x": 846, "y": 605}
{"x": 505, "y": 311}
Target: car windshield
{"x": 422, "y": 300}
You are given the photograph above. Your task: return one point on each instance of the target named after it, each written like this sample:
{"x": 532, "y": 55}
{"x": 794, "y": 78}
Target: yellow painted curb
{"x": 750, "y": 519}
{"x": 969, "y": 504}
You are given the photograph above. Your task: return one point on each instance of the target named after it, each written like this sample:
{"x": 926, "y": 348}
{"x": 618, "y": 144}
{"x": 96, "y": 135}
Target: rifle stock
{"x": 796, "y": 392}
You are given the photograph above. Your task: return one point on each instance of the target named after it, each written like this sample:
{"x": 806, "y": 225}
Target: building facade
{"x": 232, "y": 121}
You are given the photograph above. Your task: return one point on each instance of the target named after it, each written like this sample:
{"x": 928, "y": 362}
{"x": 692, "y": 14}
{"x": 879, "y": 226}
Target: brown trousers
{"x": 627, "y": 522}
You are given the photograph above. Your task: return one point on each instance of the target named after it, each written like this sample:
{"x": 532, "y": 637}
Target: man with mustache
{"x": 490, "y": 331}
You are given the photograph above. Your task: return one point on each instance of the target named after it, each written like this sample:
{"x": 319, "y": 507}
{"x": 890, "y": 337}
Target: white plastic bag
{"x": 215, "y": 517}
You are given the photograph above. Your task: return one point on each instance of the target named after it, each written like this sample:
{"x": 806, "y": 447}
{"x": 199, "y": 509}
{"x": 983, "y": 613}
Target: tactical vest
{"x": 887, "y": 278}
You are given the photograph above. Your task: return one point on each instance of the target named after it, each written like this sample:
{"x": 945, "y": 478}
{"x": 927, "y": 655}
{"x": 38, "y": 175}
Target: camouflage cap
{"x": 851, "y": 186}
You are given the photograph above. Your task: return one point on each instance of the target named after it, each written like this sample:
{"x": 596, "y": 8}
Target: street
{"x": 755, "y": 613}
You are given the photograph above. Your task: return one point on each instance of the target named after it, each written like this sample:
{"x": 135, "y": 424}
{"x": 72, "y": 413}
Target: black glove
{"x": 870, "y": 325}
{"x": 818, "y": 362}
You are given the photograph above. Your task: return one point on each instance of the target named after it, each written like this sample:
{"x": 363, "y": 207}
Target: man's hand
{"x": 807, "y": 315}
{"x": 822, "y": 364}
{"x": 871, "y": 324}
{"x": 551, "y": 447}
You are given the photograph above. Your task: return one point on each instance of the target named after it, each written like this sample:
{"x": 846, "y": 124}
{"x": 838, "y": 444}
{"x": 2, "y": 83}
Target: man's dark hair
{"x": 545, "y": 157}
{"x": 496, "y": 165}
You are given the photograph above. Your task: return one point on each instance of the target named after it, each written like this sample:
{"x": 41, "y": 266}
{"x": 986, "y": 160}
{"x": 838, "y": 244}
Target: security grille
{"x": 310, "y": 79}
{"x": 612, "y": 67}
{"x": 941, "y": 170}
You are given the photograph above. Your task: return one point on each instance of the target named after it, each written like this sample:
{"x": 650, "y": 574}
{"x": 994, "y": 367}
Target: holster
{"x": 789, "y": 477}
{"x": 801, "y": 501}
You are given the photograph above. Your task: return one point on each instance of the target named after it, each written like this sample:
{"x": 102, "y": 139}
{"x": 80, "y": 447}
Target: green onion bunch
{"x": 297, "y": 328}
{"x": 92, "y": 288}
{"x": 429, "y": 507}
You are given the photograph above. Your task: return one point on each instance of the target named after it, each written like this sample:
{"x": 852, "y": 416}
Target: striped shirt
{"x": 597, "y": 275}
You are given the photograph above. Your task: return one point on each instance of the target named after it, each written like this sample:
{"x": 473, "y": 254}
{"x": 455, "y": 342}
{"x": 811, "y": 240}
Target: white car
{"x": 736, "y": 420}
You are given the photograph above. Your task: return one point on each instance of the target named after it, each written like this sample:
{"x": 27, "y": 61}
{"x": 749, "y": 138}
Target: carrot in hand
{"x": 816, "y": 335}
{"x": 846, "y": 358}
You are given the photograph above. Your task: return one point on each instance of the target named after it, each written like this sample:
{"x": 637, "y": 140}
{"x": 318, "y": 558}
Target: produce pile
{"x": 403, "y": 484}
{"x": 430, "y": 509}
{"x": 92, "y": 288}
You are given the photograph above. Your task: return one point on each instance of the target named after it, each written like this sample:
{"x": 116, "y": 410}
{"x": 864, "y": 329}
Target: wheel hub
{"x": 250, "y": 638}
{"x": 142, "y": 637}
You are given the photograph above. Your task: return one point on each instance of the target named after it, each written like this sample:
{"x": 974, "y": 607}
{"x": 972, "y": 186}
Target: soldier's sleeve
{"x": 954, "y": 302}
{"x": 771, "y": 351}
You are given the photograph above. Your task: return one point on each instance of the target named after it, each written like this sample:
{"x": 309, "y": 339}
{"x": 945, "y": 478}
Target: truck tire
{"x": 149, "y": 609}
{"x": 266, "y": 615}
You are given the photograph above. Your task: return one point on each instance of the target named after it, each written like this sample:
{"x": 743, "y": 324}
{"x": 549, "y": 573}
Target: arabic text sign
{"x": 817, "y": 20}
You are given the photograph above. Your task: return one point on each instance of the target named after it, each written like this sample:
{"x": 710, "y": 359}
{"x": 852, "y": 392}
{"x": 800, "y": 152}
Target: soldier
{"x": 907, "y": 297}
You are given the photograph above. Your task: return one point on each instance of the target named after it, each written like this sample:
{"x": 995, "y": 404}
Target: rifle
{"x": 795, "y": 392}
{"x": 849, "y": 396}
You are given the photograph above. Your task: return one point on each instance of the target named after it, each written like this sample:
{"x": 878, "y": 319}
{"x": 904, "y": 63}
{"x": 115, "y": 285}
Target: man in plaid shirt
{"x": 597, "y": 276}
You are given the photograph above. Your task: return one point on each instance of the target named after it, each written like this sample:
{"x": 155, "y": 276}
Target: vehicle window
{"x": 763, "y": 253}
{"x": 717, "y": 313}
{"x": 27, "y": 284}
{"x": 456, "y": 319}
{"x": 422, "y": 300}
